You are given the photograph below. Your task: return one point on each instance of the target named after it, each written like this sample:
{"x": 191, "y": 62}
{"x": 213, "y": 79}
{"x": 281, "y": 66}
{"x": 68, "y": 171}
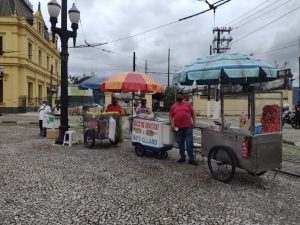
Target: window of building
{"x": 1, "y": 45}
{"x": 30, "y": 51}
{"x": 30, "y": 91}
{"x": 56, "y": 68}
{"x": 40, "y": 28}
{"x": 1, "y": 89}
{"x": 48, "y": 62}
{"x": 40, "y": 58}
{"x": 40, "y": 94}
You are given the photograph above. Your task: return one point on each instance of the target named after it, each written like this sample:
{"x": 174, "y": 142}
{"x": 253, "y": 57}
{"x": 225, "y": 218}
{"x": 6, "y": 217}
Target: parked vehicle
{"x": 287, "y": 115}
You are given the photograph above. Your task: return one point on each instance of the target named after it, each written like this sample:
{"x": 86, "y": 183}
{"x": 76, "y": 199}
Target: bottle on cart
{"x": 243, "y": 120}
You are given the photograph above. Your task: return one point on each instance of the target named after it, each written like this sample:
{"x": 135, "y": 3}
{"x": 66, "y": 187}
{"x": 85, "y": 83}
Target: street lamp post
{"x": 64, "y": 34}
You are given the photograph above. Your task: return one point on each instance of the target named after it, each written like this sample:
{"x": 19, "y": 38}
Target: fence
{"x": 27, "y": 104}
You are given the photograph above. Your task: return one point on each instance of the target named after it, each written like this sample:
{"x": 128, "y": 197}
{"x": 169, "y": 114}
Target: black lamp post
{"x": 64, "y": 34}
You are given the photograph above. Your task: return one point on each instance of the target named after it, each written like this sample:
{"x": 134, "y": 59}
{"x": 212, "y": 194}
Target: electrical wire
{"x": 290, "y": 44}
{"x": 254, "y": 31}
{"x": 247, "y": 12}
{"x": 147, "y": 31}
{"x": 249, "y": 21}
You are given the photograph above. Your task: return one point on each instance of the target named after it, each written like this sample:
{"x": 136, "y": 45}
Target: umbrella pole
{"x": 131, "y": 121}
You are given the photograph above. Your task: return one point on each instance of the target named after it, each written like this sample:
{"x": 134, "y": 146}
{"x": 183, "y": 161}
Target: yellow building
{"x": 30, "y": 61}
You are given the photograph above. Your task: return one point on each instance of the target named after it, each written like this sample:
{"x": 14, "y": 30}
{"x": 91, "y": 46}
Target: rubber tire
{"x": 163, "y": 155}
{"x": 89, "y": 139}
{"x": 231, "y": 159}
{"x": 114, "y": 142}
{"x": 139, "y": 150}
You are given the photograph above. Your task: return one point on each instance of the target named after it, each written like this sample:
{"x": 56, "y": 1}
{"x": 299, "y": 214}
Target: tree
{"x": 77, "y": 79}
{"x": 169, "y": 98}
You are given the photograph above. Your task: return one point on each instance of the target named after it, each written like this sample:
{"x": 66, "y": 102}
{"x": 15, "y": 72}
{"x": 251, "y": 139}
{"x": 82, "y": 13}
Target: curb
{"x": 18, "y": 122}
{"x": 288, "y": 142}
{"x": 8, "y": 121}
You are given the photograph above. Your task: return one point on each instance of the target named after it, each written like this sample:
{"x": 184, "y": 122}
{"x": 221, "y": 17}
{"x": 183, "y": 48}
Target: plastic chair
{"x": 70, "y": 138}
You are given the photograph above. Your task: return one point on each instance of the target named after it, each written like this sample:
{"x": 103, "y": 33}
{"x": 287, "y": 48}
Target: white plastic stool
{"x": 70, "y": 138}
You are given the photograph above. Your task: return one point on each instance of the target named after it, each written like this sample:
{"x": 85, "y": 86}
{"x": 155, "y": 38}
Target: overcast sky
{"x": 260, "y": 27}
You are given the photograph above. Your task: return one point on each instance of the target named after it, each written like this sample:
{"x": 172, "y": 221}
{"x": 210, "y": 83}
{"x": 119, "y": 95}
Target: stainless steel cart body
{"x": 230, "y": 147}
{"x": 265, "y": 150}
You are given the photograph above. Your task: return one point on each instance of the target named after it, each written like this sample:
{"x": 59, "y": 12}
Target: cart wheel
{"x": 139, "y": 150}
{"x": 221, "y": 164}
{"x": 163, "y": 155}
{"x": 89, "y": 139}
{"x": 114, "y": 142}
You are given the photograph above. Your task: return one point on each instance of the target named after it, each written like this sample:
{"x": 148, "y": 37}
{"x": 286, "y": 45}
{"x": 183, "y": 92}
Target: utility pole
{"x": 50, "y": 91}
{"x": 133, "y": 61}
{"x": 146, "y": 68}
{"x": 220, "y": 45}
{"x": 169, "y": 68}
{"x": 299, "y": 73}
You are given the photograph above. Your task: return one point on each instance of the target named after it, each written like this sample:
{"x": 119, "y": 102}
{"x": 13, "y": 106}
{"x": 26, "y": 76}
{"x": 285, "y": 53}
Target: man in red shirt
{"x": 182, "y": 118}
{"x": 114, "y": 107}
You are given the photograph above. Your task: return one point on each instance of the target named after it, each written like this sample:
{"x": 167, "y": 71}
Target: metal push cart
{"x": 97, "y": 127}
{"x": 256, "y": 149}
{"x": 153, "y": 135}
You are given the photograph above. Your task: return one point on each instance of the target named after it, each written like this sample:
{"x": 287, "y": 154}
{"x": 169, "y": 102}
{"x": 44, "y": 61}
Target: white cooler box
{"x": 168, "y": 135}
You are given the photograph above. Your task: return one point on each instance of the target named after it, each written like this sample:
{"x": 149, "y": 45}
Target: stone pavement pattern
{"x": 41, "y": 183}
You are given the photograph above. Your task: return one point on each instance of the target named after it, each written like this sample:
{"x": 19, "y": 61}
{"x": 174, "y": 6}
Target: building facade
{"x": 30, "y": 61}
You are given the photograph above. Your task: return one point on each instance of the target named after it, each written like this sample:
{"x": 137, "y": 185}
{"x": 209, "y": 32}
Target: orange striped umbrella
{"x": 131, "y": 82}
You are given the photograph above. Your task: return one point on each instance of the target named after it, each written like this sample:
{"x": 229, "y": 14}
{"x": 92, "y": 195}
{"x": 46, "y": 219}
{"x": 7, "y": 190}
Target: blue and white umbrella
{"x": 226, "y": 68}
{"x": 92, "y": 83}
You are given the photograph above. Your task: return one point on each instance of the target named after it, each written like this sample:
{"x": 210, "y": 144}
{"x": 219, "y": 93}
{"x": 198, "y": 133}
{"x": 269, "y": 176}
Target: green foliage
{"x": 170, "y": 97}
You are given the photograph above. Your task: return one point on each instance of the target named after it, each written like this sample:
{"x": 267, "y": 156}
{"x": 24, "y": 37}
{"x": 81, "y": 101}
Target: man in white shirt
{"x": 42, "y": 110}
{"x": 143, "y": 107}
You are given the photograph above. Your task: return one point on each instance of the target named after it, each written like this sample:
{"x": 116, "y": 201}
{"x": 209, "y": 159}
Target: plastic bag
{"x": 112, "y": 129}
{"x": 126, "y": 125}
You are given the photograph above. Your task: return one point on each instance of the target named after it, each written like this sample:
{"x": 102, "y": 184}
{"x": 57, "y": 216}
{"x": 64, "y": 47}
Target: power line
{"x": 127, "y": 37}
{"x": 152, "y": 29}
{"x": 290, "y": 44}
{"x": 247, "y": 12}
{"x": 249, "y": 21}
{"x": 246, "y": 35}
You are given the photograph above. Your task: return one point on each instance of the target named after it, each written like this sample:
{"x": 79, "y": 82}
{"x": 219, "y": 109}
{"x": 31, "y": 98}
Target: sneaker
{"x": 181, "y": 160}
{"x": 193, "y": 162}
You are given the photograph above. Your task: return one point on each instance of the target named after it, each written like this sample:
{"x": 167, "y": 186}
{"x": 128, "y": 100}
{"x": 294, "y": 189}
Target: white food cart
{"x": 152, "y": 135}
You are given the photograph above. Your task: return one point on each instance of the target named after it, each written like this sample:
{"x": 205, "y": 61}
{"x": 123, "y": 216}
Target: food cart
{"x": 101, "y": 126}
{"x": 152, "y": 135}
{"x": 254, "y": 145}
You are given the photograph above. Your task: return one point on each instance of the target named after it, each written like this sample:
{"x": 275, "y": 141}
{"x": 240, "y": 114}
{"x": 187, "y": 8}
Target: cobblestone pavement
{"x": 41, "y": 183}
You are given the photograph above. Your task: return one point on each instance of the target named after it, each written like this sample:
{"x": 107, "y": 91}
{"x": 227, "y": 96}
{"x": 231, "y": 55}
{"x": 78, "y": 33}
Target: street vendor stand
{"x": 152, "y": 135}
{"x": 101, "y": 126}
{"x": 147, "y": 131}
{"x": 253, "y": 146}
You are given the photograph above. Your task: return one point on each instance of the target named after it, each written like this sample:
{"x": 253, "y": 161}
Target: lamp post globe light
{"x": 74, "y": 15}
